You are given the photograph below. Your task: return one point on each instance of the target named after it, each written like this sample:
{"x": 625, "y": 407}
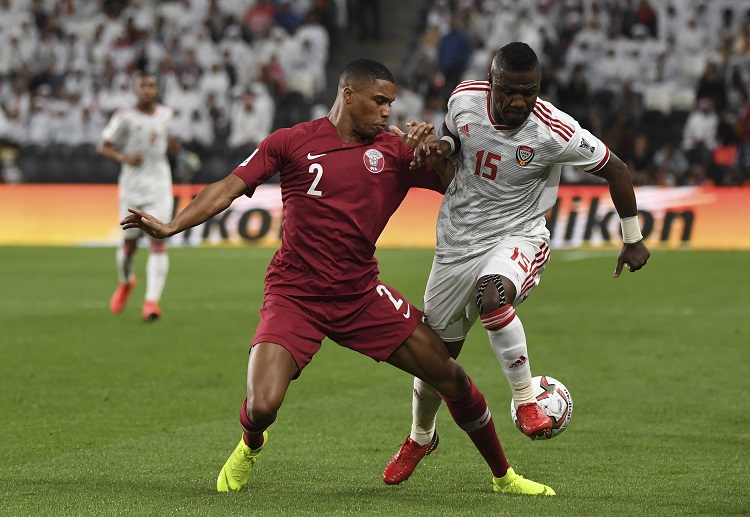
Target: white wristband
{"x": 631, "y": 230}
{"x": 450, "y": 141}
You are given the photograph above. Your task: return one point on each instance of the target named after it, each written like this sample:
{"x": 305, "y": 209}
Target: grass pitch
{"x": 106, "y": 415}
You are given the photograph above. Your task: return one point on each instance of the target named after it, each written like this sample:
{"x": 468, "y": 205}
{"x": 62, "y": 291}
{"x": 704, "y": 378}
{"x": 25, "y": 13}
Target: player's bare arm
{"x": 633, "y": 255}
{"x": 109, "y": 150}
{"x": 419, "y": 132}
{"x": 433, "y": 151}
{"x": 212, "y": 200}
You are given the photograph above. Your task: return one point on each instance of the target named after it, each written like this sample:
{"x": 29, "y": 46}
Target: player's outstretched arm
{"x": 634, "y": 253}
{"x": 434, "y": 151}
{"x": 212, "y": 200}
{"x": 419, "y": 132}
{"x": 109, "y": 150}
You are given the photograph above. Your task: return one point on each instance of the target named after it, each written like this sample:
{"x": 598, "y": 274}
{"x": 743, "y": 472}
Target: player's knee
{"x": 491, "y": 294}
{"x": 450, "y": 380}
{"x": 158, "y": 246}
{"x": 129, "y": 246}
{"x": 262, "y": 409}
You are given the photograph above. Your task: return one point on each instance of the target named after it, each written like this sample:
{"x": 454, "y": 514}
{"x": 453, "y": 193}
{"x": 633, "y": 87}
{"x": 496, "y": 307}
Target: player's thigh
{"x": 292, "y": 324}
{"x": 449, "y": 297}
{"x": 374, "y": 324}
{"x": 424, "y": 355}
{"x": 521, "y": 260}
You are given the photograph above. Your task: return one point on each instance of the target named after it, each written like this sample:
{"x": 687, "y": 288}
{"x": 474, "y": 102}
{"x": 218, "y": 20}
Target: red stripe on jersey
{"x": 601, "y": 163}
{"x": 489, "y": 113}
{"x": 471, "y": 85}
{"x": 541, "y": 258}
{"x": 557, "y": 126}
{"x": 548, "y": 112}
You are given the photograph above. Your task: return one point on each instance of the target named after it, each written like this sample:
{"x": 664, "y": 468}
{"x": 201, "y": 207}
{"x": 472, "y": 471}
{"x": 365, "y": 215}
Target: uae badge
{"x": 524, "y": 155}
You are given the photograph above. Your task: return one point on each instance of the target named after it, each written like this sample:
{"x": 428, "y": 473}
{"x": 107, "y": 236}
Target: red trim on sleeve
{"x": 601, "y": 163}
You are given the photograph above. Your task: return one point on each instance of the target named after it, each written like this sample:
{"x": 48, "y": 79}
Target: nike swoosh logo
{"x": 408, "y": 311}
{"x": 311, "y": 156}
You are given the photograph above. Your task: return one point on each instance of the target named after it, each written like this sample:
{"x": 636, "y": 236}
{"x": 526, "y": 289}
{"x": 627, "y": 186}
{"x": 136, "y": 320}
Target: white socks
{"x": 157, "y": 268}
{"x": 424, "y": 408}
{"x": 508, "y": 341}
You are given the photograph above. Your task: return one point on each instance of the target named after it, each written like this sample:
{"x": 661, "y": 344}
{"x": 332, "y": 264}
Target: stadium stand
{"x": 665, "y": 83}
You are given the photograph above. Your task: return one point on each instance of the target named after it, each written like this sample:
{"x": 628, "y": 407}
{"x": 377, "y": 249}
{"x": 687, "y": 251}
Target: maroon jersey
{"x": 337, "y": 198}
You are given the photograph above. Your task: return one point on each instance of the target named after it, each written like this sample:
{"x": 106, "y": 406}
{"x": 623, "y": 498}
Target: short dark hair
{"x": 515, "y": 57}
{"x": 363, "y": 70}
{"x": 142, "y": 74}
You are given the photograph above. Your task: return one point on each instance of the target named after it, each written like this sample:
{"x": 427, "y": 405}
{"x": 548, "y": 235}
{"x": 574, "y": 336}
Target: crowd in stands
{"x": 224, "y": 66}
{"x": 664, "y": 83}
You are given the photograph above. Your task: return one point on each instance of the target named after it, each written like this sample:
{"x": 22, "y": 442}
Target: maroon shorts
{"x": 374, "y": 324}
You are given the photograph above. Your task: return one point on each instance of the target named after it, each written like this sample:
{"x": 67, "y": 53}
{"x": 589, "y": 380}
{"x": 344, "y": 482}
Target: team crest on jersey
{"x": 586, "y": 146}
{"x": 374, "y": 160}
{"x": 524, "y": 155}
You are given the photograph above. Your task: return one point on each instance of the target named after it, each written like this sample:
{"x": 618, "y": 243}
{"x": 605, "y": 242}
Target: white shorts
{"x": 450, "y": 296}
{"x": 161, "y": 208}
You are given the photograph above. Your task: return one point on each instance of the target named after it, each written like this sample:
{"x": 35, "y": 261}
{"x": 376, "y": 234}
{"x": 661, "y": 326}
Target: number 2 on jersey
{"x": 489, "y": 163}
{"x": 382, "y": 290}
{"x": 317, "y": 169}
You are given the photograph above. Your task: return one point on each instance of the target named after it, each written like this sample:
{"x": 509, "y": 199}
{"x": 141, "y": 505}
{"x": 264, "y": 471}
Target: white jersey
{"x": 506, "y": 179}
{"x": 133, "y": 131}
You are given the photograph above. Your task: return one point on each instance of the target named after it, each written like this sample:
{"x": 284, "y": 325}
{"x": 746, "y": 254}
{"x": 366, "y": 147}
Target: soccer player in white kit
{"x": 137, "y": 137}
{"x": 492, "y": 242}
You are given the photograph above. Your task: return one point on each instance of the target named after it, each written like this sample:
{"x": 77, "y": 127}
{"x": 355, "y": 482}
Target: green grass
{"x": 105, "y": 415}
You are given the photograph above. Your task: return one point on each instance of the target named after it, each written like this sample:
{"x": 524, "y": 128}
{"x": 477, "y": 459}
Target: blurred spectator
{"x": 639, "y": 159}
{"x": 287, "y": 17}
{"x": 575, "y": 94}
{"x": 454, "y": 53}
{"x": 711, "y": 86}
{"x": 408, "y": 104}
{"x": 743, "y": 129}
{"x": 272, "y": 76}
{"x": 325, "y": 13}
{"x": 259, "y": 18}
{"x": 439, "y": 17}
{"x": 671, "y": 165}
{"x": 251, "y": 119}
{"x": 645, "y": 15}
{"x": 367, "y": 14}
{"x": 699, "y": 135}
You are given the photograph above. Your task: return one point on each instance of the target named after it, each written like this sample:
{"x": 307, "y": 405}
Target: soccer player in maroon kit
{"x": 342, "y": 177}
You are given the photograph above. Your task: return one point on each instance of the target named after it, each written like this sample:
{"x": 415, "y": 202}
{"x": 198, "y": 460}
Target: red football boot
{"x": 119, "y": 299}
{"x": 406, "y": 459}
{"x": 151, "y": 311}
{"x": 532, "y": 421}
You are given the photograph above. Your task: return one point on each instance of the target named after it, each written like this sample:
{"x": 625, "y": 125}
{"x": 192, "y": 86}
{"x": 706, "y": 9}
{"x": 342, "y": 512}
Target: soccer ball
{"x": 554, "y": 399}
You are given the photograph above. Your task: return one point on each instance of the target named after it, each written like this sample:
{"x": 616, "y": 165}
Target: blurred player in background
{"x": 492, "y": 241}
{"x": 342, "y": 177}
{"x": 138, "y": 137}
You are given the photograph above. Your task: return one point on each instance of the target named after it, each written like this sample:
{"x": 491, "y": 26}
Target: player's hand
{"x": 146, "y": 222}
{"x": 632, "y": 257}
{"x": 133, "y": 159}
{"x": 418, "y": 132}
{"x": 430, "y": 152}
